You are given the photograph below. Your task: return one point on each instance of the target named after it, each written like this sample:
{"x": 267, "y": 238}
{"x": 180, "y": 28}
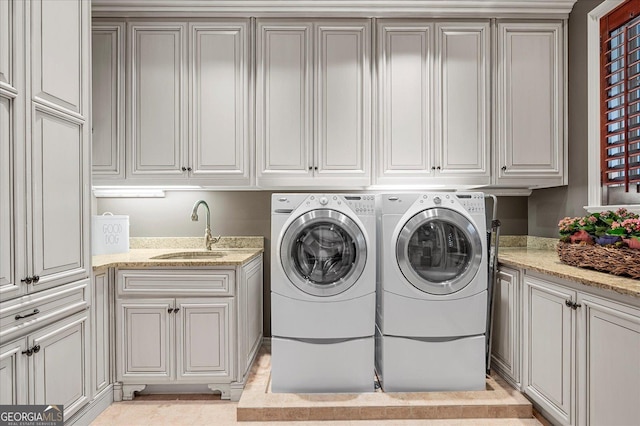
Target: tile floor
{"x": 498, "y": 405}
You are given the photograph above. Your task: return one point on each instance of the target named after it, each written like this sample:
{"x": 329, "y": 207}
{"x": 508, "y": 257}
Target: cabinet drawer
{"x": 209, "y": 282}
{"x": 20, "y": 316}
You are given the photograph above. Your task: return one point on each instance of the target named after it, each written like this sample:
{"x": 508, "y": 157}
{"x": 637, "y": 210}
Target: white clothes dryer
{"x": 432, "y": 291}
{"x": 323, "y": 284}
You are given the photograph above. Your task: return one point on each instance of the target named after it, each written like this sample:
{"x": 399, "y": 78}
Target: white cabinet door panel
{"x": 203, "y": 340}
{"x": 283, "y": 111}
{"x": 13, "y": 380}
{"x": 57, "y": 30}
{"x": 58, "y": 197}
{"x": 100, "y": 333}
{"x": 107, "y": 51}
{"x": 505, "y": 336}
{"x": 219, "y": 90}
{"x": 462, "y": 52}
{"x": 60, "y": 367}
{"x": 550, "y": 349}
{"x": 7, "y": 35}
{"x": 612, "y": 356}
{"x": 145, "y": 333}
{"x": 342, "y": 99}
{"x": 530, "y": 103}
{"x": 157, "y": 124}
{"x": 9, "y": 285}
{"x": 404, "y": 70}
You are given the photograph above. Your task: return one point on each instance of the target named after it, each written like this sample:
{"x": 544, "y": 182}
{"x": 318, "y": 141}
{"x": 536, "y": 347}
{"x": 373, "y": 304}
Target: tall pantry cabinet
{"x": 44, "y": 202}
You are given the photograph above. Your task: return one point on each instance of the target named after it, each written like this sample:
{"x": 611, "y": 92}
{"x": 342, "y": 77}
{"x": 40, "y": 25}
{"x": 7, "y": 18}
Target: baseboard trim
{"x": 90, "y": 412}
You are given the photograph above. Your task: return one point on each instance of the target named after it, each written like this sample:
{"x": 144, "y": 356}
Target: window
{"x": 620, "y": 103}
{"x": 620, "y": 73}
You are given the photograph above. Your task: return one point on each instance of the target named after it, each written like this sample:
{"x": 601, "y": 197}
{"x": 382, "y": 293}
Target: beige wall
{"x": 548, "y": 206}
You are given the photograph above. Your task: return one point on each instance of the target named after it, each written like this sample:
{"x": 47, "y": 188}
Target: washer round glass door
{"x": 439, "y": 251}
{"x": 323, "y": 252}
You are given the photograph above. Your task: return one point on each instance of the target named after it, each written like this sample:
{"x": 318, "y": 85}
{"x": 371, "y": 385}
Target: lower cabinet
{"x": 197, "y": 326}
{"x": 48, "y": 366}
{"x": 506, "y": 333}
{"x": 580, "y": 348}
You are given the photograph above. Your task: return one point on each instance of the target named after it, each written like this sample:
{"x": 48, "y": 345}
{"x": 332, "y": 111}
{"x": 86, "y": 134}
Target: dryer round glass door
{"x": 323, "y": 252}
{"x": 439, "y": 251}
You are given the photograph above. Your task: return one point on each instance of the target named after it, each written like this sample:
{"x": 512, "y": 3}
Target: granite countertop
{"x": 543, "y": 258}
{"x": 233, "y": 251}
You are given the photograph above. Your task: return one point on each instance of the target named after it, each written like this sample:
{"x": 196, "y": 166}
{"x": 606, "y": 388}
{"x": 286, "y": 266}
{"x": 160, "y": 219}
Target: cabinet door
{"x": 145, "y": 336}
{"x": 530, "y": 103}
{"x": 250, "y": 314}
{"x": 405, "y": 127}
{"x": 59, "y": 199}
{"x": 462, "y": 86}
{"x": 59, "y": 365}
{"x": 100, "y": 332}
{"x": 204, "y": 340}
{"x": 505, "y": 338}
{"x": 9, "y": 282}
{"x": 219, "y": 90}
{"x": 610, "y": 361}
{"x": 107, "y": 50}
{"x": 13, "y": 373}
{"x": 342, "y": 101}
{"x": 157, "y": 105}
{"x": 283, "y": 101}
{"x": 59, "y": 68}
{"x": 549, "y": 347}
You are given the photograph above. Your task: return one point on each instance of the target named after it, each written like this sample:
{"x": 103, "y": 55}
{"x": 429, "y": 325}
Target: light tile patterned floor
{"x": 195, "y": 410}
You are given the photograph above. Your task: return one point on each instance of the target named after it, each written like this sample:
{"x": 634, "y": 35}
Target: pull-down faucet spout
{"x": 208, "y": 238}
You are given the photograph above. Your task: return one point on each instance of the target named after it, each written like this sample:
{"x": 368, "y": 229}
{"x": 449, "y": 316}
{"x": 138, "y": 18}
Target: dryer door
{"x": 439, "y": 251}
{"x": 323, "y": 252}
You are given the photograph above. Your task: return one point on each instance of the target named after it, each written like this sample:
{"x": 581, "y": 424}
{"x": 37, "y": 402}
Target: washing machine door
{"x": 323, "y": 252}
{"x": 439, "y": 251}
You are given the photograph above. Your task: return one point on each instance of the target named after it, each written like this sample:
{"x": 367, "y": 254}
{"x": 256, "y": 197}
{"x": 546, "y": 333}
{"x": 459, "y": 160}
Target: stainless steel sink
{"x": 189, "y": 255}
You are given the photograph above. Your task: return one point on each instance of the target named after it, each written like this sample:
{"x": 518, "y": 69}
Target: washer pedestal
{"x": 420, "y": 365}
{"x": 322, "y": 366}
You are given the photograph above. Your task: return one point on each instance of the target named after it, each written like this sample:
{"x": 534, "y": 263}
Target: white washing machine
{"x": 323, "y": 285}
{"x": 432, "y": 291}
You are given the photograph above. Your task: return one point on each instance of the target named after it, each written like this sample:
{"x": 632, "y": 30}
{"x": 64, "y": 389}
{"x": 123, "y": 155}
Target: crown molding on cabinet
{"x": 335, "y": 8}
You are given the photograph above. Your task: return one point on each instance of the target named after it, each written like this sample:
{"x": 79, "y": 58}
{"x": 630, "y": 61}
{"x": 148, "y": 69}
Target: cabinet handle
{"x": 310, "y": 167}
{"x": 433, "y": 167}
{"x": 572, "y": 305}
{"x": 170, "y": 310}
{"x": 31, "y": 351}
{"x": 569, "y": 303}
{"x": 175, "y": 311}
{"x": 315, "y": 168}
{"x": 35, "y": 312}
{"x": 504, "y": 168}
{"x": 189, "y": 169}
{"x": 36, "y": 279}
{"x": 438, "y": 168}
{"x": 27, "y": 280}
{"x": 184, "y": 169}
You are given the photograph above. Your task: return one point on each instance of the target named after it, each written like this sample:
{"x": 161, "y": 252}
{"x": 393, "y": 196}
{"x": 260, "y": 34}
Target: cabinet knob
{"x": 36, "y": 349}
{"x": 433, "y": 167}
{"x": 27, "y": 280}
{"x": 189, "y": 169}
{"x": 184, "y": 169}
{"x": 310, "y": 167}
{"x": 175, "y": 311}
{"x": 315, "y": 168}
{"x": 170, "y": 310}
{"x": 438, "y": 168}
{"x": 35, "y": 279}
{"x": 504, "y": 168}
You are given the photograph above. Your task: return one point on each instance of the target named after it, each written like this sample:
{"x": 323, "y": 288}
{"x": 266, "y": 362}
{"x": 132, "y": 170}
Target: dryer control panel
{"x": 473, "y": 202}
{"x": 361, "y": 204}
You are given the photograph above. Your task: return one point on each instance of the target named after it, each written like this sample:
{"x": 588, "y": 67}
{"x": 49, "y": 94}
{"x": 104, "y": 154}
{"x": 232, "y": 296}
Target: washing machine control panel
{"x": 472, "y": 202}
{"x": 360, "y": 204}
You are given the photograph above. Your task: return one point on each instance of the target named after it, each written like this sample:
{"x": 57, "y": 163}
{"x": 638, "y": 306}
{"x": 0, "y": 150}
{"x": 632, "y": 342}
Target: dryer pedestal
{"x": 322, "y": 366}
{"x": 420, "y": 365}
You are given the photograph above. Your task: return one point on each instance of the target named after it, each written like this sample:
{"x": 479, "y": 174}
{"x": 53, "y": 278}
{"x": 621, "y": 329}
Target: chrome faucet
{"x": 208, "y": 238}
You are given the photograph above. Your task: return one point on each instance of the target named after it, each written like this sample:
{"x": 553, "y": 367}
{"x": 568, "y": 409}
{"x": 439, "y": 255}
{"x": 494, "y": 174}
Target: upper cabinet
{"x": 433, "y": 102}
{"x": 288, "y": 102}
{"x": 531, "y": 104}
{"x": 44, "y": 137}
{"x": 313, "y": 106}
{"x": 187, "y": 103}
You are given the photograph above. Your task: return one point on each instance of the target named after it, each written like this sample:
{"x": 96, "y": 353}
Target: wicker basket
{"x": 617, "y": 261}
